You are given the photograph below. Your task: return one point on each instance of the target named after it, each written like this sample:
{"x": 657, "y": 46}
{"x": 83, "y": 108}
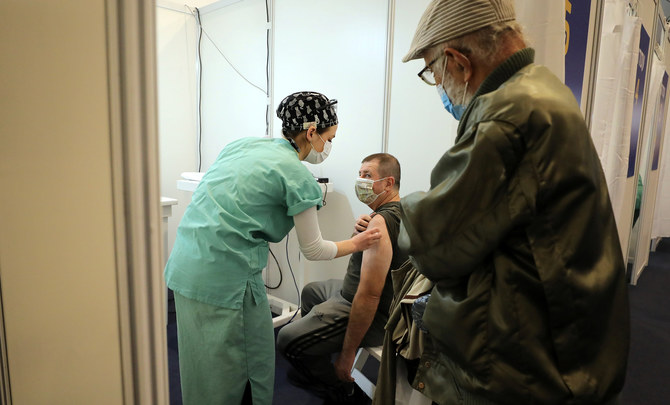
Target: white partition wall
{"x": 57, "y": 251}
{"x": 661, "y": 164}
{"x": 647, "y": 12}
{"x": 661, "y": 217}
{"x": 651, "y": 152}
{"x": 177, "y": 121}
{"x": 655, "y": 127}
{"x": 79, "y": 207}
{"x": 544, "y": 24}
{"x": 233, "y": 87}
{"x": 420, "y": 130}
{"x": 328, "y": 47}
{"x": 321, "y": 46}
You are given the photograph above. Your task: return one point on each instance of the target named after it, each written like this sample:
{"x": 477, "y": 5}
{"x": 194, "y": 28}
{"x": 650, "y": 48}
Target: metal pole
{"x": 271, "y": 67}
{"x": 390, "y": 26}
{"x": 593, "y": 68}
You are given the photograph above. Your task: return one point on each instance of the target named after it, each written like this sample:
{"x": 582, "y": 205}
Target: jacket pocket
{"x": 457, "y": 319}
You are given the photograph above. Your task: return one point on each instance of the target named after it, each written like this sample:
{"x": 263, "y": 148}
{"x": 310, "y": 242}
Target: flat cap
{"x": 444, "y": 20}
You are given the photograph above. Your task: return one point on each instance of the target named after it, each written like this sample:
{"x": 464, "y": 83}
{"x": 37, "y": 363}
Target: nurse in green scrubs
{"x": 256, "y": 192}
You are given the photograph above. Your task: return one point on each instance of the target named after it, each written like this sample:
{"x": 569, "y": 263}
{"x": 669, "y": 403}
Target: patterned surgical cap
{"x": 305, "y": 107}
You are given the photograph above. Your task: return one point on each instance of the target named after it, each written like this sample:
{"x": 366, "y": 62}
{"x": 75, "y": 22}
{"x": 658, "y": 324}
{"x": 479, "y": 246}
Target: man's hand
{"x": 361, "y": 223}
{"x": 343, "y": 366}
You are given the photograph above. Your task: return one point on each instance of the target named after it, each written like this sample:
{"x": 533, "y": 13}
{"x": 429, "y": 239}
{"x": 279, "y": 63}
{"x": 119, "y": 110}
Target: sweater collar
{"x": 500, "y": 75}
{"x": 507, "y": 69}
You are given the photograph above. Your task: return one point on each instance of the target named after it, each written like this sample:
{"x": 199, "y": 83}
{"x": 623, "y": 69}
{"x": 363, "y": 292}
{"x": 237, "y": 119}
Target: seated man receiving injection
{"x": 343, "y": 315}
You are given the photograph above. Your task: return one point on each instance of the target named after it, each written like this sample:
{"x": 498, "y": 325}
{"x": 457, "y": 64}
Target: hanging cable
{"x": 196, "y": 13}
{"x": 267, "y": 69}
{"x": 229, "y": 62}
{"x": 288, "y": 260}
{"x": 281, "y": 276}
{"x": 323, "y": 201}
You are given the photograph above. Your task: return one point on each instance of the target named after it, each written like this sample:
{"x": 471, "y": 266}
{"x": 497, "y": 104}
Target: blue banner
{"x": 660, "y": 122}
{"x": 639, "y": 99}
{"x": 577, "y": 16}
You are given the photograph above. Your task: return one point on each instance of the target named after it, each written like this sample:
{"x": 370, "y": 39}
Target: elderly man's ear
{"x": 459, "y": 65}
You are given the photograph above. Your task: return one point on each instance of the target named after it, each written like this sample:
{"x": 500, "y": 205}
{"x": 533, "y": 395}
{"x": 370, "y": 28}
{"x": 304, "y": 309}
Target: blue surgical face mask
{"x": 455, "y": 110}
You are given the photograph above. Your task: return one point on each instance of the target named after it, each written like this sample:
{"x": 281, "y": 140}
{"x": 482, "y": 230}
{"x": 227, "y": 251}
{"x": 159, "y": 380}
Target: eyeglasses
{"x": 332, "y": 103}
{"x": 427, "y": 75}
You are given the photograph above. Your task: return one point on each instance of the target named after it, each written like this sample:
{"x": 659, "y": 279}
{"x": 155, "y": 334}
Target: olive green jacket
{"x": 530, "y": 301}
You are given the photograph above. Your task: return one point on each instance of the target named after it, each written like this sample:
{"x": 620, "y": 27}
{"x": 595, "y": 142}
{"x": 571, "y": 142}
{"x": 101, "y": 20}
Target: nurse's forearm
{"x": 312, "y": 245}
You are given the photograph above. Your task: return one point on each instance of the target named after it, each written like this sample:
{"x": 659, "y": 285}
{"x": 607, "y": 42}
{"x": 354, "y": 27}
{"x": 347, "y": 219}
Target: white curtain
{"x": 614, "y": 97}
{"x": 544, "y": 25}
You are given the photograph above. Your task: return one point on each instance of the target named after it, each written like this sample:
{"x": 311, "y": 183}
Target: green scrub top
{"x": 247, "y": 198}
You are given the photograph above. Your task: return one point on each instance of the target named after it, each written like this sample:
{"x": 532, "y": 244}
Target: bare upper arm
{"x": 376, "y": 261}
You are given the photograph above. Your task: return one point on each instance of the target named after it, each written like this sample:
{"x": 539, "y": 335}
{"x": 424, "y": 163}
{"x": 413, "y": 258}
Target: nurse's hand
{"x": 362, "y": 223}
{"x": 366, "y": 239}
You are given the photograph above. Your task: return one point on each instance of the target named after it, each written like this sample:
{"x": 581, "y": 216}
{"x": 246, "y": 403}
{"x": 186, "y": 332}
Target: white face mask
{"x": 315, "y": 157}
{"x": 364, "y": 190}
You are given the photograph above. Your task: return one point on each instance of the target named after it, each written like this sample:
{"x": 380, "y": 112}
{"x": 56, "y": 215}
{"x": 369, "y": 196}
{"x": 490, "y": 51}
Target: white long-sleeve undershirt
{"x": 312, "y": 244}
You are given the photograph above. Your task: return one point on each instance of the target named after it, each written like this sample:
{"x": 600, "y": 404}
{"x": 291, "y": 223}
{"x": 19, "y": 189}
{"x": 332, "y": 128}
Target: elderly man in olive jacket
{"x": 517, "y": 231}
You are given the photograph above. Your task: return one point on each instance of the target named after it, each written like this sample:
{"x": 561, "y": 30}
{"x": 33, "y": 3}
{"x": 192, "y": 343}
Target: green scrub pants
{"x": 222, "y": 349}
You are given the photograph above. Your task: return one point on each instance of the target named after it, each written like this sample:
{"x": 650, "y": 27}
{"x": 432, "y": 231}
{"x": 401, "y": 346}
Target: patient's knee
{"x": 309, "y": 293}
{"x": 284, "y": 337}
